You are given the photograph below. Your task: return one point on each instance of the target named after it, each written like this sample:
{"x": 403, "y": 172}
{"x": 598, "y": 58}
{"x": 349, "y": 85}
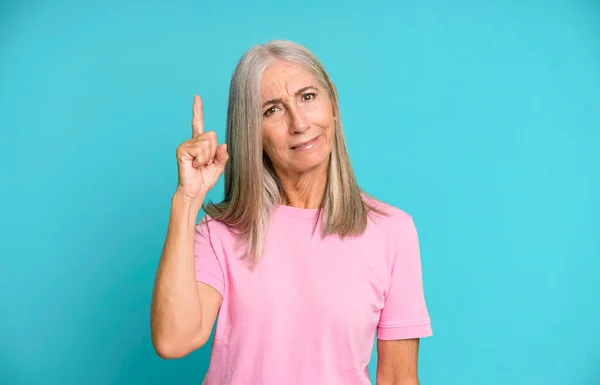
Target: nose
{"x": 298, "y": 121}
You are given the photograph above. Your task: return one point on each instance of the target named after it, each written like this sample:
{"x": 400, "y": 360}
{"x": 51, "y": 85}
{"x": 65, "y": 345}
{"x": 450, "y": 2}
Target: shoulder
{"x": 392, "y": 217}
{"x": 214, "y": 228}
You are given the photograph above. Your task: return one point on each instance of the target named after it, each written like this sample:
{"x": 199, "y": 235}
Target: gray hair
{"x": 252, "y": 188}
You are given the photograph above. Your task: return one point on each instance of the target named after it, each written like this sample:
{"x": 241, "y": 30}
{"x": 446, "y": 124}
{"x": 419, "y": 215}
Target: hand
{"x": 200, "y": 160}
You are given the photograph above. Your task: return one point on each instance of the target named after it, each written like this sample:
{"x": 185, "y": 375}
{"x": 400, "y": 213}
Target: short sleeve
{"x": 405, "y": 313}
{"x": 207, "y": 265}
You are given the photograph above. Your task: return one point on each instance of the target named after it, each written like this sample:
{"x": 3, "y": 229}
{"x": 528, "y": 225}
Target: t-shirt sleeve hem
{"x": 401, "y": 332}
{"x": 210, "y": 279}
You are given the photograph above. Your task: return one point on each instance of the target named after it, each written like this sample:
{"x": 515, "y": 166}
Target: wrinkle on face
{"x": 295, "y": 118}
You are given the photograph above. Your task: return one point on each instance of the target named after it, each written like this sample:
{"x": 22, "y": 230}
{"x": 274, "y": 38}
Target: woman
{"x": 302, "y": 266}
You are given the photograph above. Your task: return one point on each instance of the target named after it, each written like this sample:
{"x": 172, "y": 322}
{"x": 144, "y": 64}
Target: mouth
{"x": 305, "y": 145}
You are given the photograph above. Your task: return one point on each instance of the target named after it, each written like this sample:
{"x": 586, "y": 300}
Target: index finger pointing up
{"x": 197, "y": 117}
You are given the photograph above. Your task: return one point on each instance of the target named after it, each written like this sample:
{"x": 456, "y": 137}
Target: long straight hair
{"x": 252, "y": 188}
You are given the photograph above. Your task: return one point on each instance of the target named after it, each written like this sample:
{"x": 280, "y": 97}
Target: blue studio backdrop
{"x": 480, "y": 119}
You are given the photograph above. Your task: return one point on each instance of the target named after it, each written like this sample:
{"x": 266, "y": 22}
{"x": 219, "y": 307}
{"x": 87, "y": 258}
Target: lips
{"x": 302, "y": 144}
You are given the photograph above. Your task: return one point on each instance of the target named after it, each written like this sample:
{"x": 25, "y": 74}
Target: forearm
{"x": 411, "y": 381}
{"x": 395, "y": 371}
{"x": 176, "y": 310}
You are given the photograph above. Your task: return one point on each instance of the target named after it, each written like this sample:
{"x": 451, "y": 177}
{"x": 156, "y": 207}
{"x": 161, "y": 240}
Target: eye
{"x": 270, "y": 111}
{"x": 309, "y": 96}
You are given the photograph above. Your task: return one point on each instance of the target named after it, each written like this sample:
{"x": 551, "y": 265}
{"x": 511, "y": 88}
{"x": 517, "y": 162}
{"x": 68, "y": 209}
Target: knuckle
{"x": 206, "y": 153}
{"x": 179, "y": 154}
{"x": 209, "y": 135}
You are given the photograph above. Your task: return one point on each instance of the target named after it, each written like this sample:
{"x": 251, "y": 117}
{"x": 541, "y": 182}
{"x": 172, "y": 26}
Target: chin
{"x": 306, "y": 165}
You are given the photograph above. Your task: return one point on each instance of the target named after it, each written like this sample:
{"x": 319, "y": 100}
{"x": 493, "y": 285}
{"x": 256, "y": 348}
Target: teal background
{"x": 480, "y": 119}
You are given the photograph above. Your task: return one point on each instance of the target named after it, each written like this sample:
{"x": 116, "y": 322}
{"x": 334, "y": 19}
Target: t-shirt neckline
{"x": 295, "y": 213}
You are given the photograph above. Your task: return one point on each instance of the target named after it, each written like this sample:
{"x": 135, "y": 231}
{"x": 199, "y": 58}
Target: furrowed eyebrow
{"x": 301, "y": 90}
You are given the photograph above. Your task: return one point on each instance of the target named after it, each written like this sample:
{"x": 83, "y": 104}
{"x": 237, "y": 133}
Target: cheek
{"x": 322, "y": 116}
{"x": 329, "y": 125}
{"x": 273, "y": 142}
{"x": 331, "y": 138}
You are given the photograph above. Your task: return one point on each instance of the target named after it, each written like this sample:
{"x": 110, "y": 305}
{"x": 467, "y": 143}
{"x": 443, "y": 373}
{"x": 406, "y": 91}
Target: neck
{"x": 306, "y": 190}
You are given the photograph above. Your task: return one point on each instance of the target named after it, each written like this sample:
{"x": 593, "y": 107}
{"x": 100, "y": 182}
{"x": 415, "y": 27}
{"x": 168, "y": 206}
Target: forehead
{"x": 282, "y": 78}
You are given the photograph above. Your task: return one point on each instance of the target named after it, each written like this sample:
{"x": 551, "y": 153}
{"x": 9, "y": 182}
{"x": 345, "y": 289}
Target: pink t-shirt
{"x": 309, "y": 312}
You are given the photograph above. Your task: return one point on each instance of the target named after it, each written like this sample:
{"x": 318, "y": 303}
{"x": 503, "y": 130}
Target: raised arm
{"x": 183, "y": 311}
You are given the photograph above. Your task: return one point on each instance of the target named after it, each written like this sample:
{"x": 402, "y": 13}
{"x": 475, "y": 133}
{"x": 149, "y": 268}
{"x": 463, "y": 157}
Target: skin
{"x": 296, "y": 108}
{"x": 183, "y": 310}
{"x": 397, "y": 362}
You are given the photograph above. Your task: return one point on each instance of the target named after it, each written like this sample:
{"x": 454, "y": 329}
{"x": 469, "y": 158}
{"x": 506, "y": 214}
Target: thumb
{"x": 221, "y": 156}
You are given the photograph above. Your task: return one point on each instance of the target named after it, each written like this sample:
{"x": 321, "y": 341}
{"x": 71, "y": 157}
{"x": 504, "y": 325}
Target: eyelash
{"x": 268, "y": 111}
{"x": 312, "y": 94}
